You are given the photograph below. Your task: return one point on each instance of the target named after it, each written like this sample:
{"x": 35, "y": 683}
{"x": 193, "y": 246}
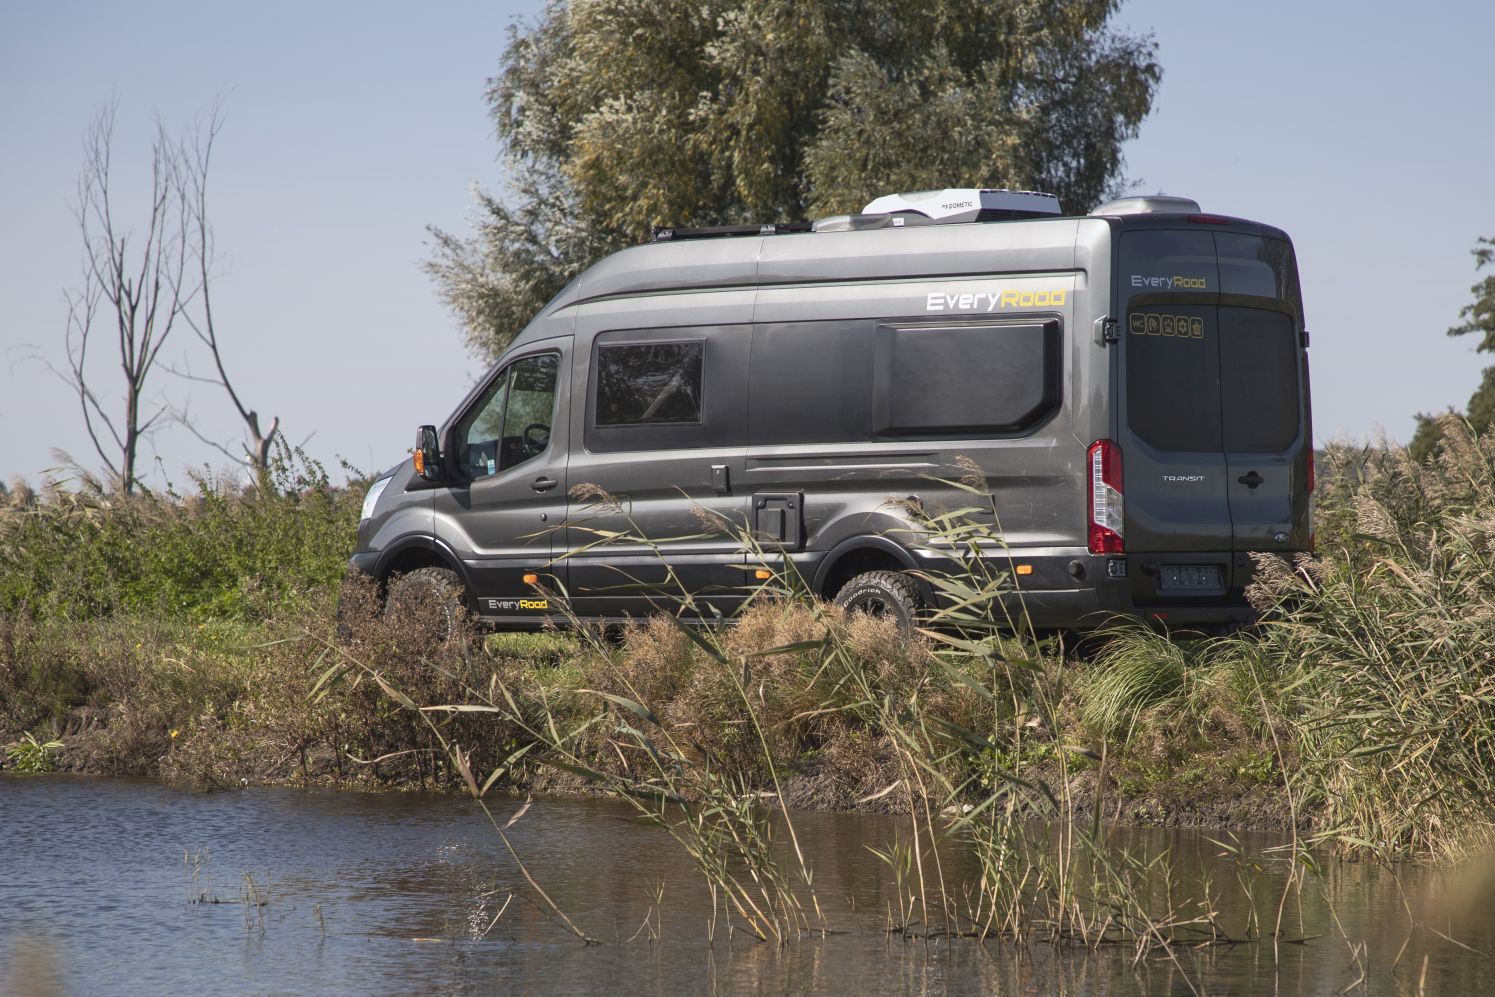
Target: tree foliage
{"x": 619, "y": 115}
{"x": 1479, "y": 318}
{"x": 1479, "y": 314}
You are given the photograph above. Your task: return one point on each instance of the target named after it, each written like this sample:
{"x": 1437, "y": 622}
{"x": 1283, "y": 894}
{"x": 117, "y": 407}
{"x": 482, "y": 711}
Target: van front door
{"x": 506, "y": 498}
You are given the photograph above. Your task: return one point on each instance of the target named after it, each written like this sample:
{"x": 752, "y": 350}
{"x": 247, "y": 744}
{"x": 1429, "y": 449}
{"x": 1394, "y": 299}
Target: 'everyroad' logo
{"x": 990, "y": 301}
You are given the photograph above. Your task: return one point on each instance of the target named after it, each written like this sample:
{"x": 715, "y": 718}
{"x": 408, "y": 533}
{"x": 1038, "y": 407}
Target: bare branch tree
{"x": 134, "y": 282}
{"x": 143, "y": 285}
{"x": 193, "y": 162}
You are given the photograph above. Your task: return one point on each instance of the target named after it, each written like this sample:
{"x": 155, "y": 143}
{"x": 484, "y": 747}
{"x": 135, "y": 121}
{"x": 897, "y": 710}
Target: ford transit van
{"x": 1132, "y": 384}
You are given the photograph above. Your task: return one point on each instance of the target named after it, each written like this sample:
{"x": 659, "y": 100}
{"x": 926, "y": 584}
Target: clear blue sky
{"x": 1362, "y": 128}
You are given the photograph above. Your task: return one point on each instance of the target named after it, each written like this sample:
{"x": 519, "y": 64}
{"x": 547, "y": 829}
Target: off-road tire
{"x": 888, "y": 594}
{"x": 431, "y": 597}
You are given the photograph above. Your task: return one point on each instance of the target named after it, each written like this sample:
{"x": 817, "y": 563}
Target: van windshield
{"x": 1220, "y": 375}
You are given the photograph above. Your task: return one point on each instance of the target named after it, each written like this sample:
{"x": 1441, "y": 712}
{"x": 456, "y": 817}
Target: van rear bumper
{"x": 1071, "y": 588}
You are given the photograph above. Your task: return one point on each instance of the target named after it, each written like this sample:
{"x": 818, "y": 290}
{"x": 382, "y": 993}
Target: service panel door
{"x": 503, "y": 510}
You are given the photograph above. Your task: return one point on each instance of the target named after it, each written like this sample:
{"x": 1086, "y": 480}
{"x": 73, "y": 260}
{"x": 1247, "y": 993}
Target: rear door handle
{"x": 1251, "y": 480}
{"x": 543, "y": 484}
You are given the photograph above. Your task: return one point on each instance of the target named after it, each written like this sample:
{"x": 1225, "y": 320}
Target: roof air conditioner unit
{"x": 967, "y": 205}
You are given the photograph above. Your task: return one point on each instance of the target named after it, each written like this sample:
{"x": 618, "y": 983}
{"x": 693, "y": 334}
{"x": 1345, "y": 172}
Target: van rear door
{"x": 1173, "y": 460}
{"x": 1263, "y": 393}
{"x": 1213, "y": 401}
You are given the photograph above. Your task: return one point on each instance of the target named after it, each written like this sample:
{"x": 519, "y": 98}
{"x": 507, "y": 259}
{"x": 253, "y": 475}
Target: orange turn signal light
{"x": 531, "y": 579}
{"x": 420, "y": 461}
{"x": 1024, "y": 569}
{"x": 763, "y": 574}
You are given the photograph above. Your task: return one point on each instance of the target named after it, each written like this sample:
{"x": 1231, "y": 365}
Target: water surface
{"x": 103, "y": 883}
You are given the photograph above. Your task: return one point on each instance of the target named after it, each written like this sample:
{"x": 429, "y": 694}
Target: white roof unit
{"x": 1149, "y": 204}
{"x": 966, "y": 204}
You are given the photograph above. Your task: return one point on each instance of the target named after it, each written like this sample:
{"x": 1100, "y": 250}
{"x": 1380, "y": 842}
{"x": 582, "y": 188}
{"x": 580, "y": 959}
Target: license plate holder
{"x": 1191, "y": 578}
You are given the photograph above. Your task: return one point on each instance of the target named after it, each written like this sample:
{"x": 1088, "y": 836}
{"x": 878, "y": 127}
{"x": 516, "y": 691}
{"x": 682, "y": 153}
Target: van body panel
{"x": 825, "y": 366}
{"x": 666, "y": 267}
{"x": 404, "y": 510}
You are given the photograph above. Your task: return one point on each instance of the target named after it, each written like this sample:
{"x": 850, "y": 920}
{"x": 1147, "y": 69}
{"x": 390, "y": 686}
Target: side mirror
{"x": 427, "y": 454}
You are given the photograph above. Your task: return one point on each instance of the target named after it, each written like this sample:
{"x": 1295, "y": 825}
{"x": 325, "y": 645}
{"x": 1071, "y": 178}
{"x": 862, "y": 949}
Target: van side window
{"x": 961, "y": 379}
{"x": 667, "y": 388}
{"x": 510, "y": 424}
{"x": 649, "y": 383}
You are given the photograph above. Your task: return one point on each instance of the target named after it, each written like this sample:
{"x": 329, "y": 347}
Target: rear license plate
{"x": 1190, "y": 577}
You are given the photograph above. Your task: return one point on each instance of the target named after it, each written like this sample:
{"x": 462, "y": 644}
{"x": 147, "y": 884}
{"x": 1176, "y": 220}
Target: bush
{"x": 219, "y": 552}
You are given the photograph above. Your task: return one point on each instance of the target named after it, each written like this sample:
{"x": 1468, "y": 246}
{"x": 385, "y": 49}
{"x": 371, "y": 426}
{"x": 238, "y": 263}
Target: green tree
{"x": 1479, "y": 317}
{"x": 619, "y": 115}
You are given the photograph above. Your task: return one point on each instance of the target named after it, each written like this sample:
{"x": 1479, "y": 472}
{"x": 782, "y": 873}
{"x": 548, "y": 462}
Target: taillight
{"x": 1105, "y": 498}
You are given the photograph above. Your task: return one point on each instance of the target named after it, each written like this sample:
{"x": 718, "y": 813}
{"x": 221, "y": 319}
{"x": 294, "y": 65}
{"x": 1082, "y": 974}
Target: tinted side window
{"x": 1259, "y": 380}
{"x": 649, "y": 383}
{"x": 1173, "y": 376}
{"x": 510, "y": 424}
{"x": 962, "y": 379}
{"x": 667, "y": 389}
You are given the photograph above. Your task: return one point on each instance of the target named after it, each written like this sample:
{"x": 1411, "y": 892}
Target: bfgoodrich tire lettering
{"x": 886, "y": 594}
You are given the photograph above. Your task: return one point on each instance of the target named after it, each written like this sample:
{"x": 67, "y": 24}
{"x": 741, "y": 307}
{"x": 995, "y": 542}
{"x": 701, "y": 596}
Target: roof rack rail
{"x": 674, "y": 233}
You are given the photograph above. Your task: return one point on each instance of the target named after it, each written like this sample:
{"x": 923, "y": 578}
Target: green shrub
{"x": 218, "y": 552}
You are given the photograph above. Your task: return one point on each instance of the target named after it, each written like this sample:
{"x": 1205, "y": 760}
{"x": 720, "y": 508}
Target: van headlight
{"x": 372, "y": 498}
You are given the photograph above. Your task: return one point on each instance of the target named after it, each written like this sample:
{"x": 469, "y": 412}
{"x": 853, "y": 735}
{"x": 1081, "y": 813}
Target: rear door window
{"x": 1173, "y": 377}
{"x": 1259, "y": 396}
{"x": 1256, "y": 265}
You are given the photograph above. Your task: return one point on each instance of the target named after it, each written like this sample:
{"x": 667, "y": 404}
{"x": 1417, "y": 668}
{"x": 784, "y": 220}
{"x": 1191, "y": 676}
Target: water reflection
{"x": 397, "y": 893}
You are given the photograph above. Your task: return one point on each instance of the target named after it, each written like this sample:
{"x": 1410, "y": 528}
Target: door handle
{"x": 1251, "y": 480}
{"x": 543, "y": 484}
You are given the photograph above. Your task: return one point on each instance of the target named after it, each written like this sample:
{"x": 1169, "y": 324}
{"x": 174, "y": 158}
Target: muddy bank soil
{"x": 869, "y": 784}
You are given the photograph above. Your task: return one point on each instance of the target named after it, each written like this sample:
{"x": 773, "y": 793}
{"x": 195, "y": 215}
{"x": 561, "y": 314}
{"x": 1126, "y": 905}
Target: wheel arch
{"x": 414, "y": 552}
{"x": 862, "y": 553}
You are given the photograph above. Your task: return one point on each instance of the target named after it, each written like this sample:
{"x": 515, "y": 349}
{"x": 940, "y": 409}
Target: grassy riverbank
{"x": 192, "y": 640}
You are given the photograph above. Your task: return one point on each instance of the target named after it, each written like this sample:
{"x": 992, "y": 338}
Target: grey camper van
{"x": 1133, "y": 385}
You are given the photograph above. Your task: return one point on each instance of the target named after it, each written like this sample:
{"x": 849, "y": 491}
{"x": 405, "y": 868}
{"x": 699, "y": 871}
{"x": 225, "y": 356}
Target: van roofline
{"x": 1044, "y": 245}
